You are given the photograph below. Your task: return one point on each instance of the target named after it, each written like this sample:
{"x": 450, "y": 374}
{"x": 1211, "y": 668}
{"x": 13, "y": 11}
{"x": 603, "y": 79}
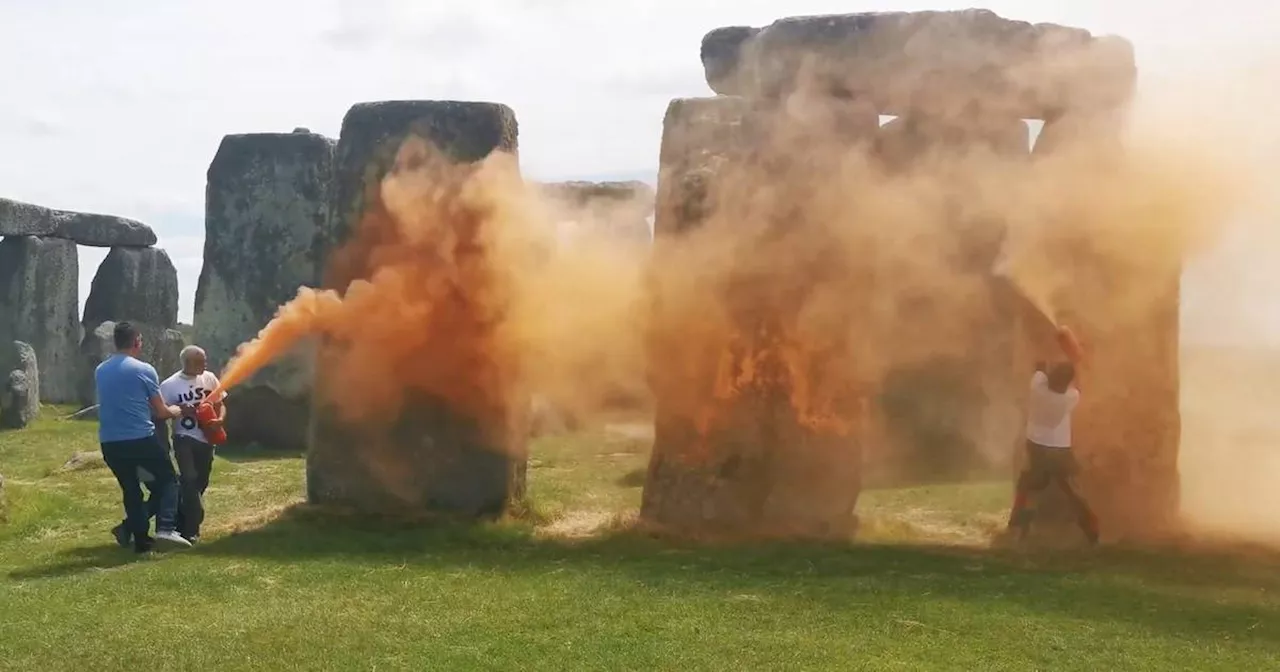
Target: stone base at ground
{"x": 19, "y": 386}
{"x": 760, "y": 475}
{"x": 262, "y": 415}
{"x": 428, "y": 460}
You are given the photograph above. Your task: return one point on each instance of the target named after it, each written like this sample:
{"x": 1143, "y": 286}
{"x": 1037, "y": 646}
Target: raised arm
{"x": 1070, "y": 344}
{"x": 1074, "y": 352}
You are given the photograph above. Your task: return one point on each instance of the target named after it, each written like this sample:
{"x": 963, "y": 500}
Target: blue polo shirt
{"x": 125, "y": 386}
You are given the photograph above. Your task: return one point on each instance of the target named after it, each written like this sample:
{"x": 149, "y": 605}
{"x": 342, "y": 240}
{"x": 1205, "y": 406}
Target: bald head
{"x": 193, "y": 360}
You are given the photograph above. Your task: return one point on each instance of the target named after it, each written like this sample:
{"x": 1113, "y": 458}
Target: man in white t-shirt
{"x": 185, "y": 389}
{"x": 1053, "y": 397}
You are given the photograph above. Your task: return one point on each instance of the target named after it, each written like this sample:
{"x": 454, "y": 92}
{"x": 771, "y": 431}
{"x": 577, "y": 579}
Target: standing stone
{"x": 432, "y": 457}
{"x": 682, "y": 489}
{"x": 39, "y": 304}
{"x": 742, "y": 440}
{"x": 266, "y": 213}
{"x": 138, "y": 284}
{"x": 161, "y": 348}
{"x": 19, "y": 386}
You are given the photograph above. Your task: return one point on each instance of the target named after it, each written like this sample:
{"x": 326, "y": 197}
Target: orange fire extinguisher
{"x": 205, "y": 414}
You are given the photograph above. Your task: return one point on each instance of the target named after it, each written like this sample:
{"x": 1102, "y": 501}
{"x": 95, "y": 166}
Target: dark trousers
{"x": 195, "y": 464}
{"x": 138, "y": 462}
{"x": 1049, "y": 466}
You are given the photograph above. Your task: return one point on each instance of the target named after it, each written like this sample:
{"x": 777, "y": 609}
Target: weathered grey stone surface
{"x": 372, "y": 134}
{"x": 103, "y": 230}
{"x": 698, "y": 136}
{"x": 24, "y": 219}
{"x": 701, "y": 139}
{"x": 19, "y": 385}
{"x": 746, "y": 463}
{"x": 266, "y": 216}
{"x": 39, "y": 304}
{"x": 82, "y": 461}
{"x": 909, "y": 61}
{"x": 167, "y": 357}
{"x": 161, "y": 348}
{"x": 93, "y": 230}
{"x": 135, "y": 284}
{"x": 431, "y": 458}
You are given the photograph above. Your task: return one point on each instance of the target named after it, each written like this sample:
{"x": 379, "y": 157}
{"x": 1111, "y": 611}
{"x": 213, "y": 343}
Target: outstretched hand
{"x": 1070, "y": 344}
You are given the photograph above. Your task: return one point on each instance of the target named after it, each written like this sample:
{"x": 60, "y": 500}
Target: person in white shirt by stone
{"x": 1054, "y": 395}
{"x": 185, "y": 389}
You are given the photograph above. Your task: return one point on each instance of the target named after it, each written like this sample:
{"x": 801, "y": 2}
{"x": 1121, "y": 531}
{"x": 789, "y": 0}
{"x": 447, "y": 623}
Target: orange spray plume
{"x": 293, "y": 321}
{"x": 453, "y": 286}
{"x": 420, "y": 293}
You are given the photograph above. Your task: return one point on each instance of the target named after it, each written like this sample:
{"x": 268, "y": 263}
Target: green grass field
{"x": 275, "y": 586}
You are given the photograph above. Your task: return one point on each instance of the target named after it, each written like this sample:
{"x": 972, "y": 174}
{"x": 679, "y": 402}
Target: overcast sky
{"x": 118, "y": 106}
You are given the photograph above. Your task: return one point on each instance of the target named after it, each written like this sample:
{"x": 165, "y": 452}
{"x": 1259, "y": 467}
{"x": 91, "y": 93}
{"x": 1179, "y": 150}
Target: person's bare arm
{"x": 160, "y": 411}
{"x": 219, "y": 404}
{"x": 222, "y": 414}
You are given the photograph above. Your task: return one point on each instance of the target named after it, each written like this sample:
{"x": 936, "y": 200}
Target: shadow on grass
{"x": 634, "y": 478}
{"x": 1189, "y": 594}
{"x": 80, "y": 560}
{"x": 241, "y": 454}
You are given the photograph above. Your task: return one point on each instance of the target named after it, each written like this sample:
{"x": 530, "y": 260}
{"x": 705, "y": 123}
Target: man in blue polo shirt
{"x": 128, "y": 400}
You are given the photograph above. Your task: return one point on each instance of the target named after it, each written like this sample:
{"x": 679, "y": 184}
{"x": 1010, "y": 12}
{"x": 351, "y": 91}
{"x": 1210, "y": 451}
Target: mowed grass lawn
{"x": 275, "y": 586}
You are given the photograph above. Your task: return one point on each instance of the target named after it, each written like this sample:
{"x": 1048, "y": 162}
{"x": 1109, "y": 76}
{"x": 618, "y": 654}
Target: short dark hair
{"x": 124, "y": 335}
{"x": 1061, "y": 375}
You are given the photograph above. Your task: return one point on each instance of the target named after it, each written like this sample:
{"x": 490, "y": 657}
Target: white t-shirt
{"x": 180, "y": 389}
{"x": 1049, "y": 413}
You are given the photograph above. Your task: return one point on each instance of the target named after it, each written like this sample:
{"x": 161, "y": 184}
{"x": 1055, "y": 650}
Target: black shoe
{"x": 123, "y": 537}
{"x": 143, "y": 544}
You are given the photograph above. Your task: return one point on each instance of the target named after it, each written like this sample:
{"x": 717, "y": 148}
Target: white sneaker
{"x": 173, "y": 538}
